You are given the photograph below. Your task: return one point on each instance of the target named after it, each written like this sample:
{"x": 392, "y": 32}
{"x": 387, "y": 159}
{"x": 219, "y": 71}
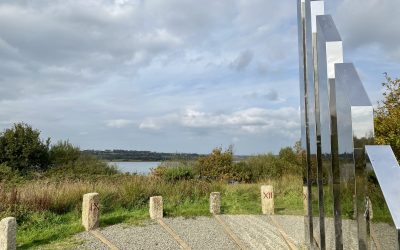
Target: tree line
{"x": 134, "y": 155}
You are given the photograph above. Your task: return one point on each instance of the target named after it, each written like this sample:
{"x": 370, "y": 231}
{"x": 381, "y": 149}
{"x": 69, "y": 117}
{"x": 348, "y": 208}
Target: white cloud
{"x": 133, "y": 65}
{"x": 118, "y": 123}
{"x": 149, "y": 124}
{"x": 251, "y": 120}
{"x": 269, "y": 94}
{"x": 371, "y": 23}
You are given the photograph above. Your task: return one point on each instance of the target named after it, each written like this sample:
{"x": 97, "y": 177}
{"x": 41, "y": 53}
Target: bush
{"x": 64, "y": 153}
{"x": 217, "y": 165}
{"x": 7, "y": 174}
{"x": 22, "y": 149}
{"x": 179, "y": 173}
{"x": 291, "y": 161}
{"x": 174, "y": 171}
{"x": 242, "y": 172}
{"x": 265, "y": 166}
{"x": 387, "y": 116}
{"x": 85, "y": 166}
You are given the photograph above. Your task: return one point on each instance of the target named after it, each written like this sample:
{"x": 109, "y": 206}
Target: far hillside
{"x": 134, "y": 155}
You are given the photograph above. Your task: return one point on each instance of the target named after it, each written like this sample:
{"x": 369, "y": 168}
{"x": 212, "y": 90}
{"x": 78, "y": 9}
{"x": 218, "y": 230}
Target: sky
{"x": 174, "y": 75}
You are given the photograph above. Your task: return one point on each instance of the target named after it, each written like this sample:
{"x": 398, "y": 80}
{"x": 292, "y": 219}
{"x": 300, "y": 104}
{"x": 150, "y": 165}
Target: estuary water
{"x": 135, "y": 167}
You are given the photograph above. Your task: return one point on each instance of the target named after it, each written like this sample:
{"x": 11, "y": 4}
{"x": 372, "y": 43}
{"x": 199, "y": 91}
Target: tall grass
{"x": 118, "y": 191}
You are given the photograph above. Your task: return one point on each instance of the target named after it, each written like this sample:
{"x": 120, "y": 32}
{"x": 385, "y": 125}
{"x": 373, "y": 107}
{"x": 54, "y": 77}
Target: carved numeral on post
{"x": 94, "y": 207}
{"x": 268, "y": 195}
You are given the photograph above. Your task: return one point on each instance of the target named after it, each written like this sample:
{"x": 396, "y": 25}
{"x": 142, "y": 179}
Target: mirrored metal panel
{"x": 317, "y": 8}
{"x": 307, "y": 128}
{"x": 355, "y": 130}
{"x": 384, "y": 173}
{"x": 337, "y": 124}
{"x": 329, "y": 46}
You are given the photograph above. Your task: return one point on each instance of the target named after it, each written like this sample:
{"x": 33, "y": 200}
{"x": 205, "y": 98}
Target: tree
{"x": 22, "y": 149}
{"x": 387, "y": 115}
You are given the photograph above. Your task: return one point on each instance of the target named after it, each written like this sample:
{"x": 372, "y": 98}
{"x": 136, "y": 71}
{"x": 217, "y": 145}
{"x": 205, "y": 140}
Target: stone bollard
{"x": 267, "y": 199}
{"x": 215, "y": 203}
{"x": 90, "y": 211}
{"x": 156, "y": 207}
{"x": 8, "y": 232}
{"x": 305, "y": 200}
{"x": 369, "y": 207}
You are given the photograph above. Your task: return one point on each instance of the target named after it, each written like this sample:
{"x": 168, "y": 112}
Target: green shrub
{"x": 242, "y": 172}
{"x": 22, "y": 149}
{"x": 179, "y": 173}
{"x": 85, "y": 166}
{"x": 265, "y": 166}
{"x": 217, "y": 165}
{"x": 175, "y": 171}
{"x": 63, "y": 153}
{"x": 9, "y": 175}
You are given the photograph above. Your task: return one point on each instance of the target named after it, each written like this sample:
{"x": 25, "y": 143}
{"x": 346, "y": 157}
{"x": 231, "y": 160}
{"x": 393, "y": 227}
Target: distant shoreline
{"x": 132, "y": 161}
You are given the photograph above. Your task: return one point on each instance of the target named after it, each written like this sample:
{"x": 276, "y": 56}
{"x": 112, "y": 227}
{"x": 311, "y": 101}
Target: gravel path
{"x": 255, "y": 231}
{"x": 294, "y": 228}
{"x": 91, "y": 242}
{"x": 201, "y": 233}
{"x": 385, "y": 235}
{"x": 148, "y": 236}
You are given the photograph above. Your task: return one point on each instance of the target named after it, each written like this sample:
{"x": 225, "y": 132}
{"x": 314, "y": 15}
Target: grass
{"x": 49, "y": 212}
{"x": 47, "y": 227}
{"x": 54, "y": 231}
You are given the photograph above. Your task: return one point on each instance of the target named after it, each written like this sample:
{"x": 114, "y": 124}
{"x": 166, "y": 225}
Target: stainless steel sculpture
{"x": 330, "y": 51}
{"x": 337, "y": 126}
{"x": 381, "y": 161}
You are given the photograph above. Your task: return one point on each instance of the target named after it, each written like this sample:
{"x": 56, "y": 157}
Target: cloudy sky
{"x": 174, "y": 75}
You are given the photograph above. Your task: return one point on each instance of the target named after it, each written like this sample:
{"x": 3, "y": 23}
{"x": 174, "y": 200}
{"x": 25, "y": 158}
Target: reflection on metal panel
{"x": 337, "y": 124}
{"x": 306, "y": 81}
{"x": 387, "y": 171}
{"x": 317, "y": 8}
{"x": 329, "y": 47}
{"x": 382, "y": 164}
{"x": 355, "y": 130}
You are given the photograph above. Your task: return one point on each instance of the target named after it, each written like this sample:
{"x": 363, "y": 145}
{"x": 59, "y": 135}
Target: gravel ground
{"x": 293, "y": 227}
{"x": 91, "y": 242}
{"x": 201, "y": 233}
{"x": 255, "y": 231}
{"x": 150, "y": 236}
{"x": 385, "y": 235}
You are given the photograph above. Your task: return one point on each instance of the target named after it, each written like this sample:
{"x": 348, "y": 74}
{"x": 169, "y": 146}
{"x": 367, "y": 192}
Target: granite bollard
{"x": 90, "y": 211}
{"x": 8, "y": 232}
{"x": 305, "y": 200}
{"x": 156, "y": 207}
{"x": 215, "y": 203}
{"x": 267, "y": 199}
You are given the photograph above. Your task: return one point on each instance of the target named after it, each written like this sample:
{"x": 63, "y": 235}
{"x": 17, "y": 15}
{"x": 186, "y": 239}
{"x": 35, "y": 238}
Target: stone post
{"x": 8, "y": 232}
{"x": 305, "y": 200}
{"x": 90, "y": 211}
{"x": 267, "y": 199}
{"x": 215, "y": 203}
{"x": 156, "y": 207}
